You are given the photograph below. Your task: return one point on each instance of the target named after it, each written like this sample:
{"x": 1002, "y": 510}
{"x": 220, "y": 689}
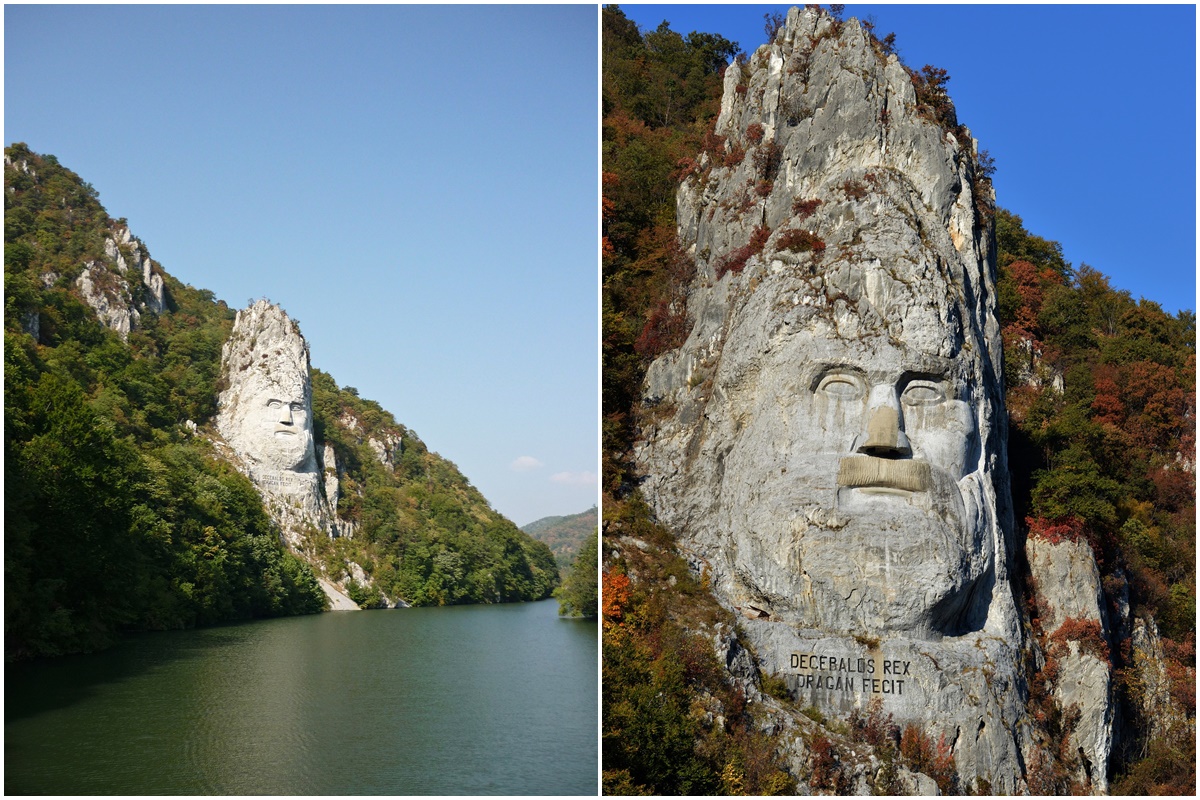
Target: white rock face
{"x": 265, "y": 414}
{"x": 829, "y": 442}
{"x": 1068, "y": 588}
{"x": 1156, "y": 704}
{"x": 108, "y": 295}
{"x": 332, "y": 481}
{"x": 388, "y": 449}
{"x": 108, "y": 291}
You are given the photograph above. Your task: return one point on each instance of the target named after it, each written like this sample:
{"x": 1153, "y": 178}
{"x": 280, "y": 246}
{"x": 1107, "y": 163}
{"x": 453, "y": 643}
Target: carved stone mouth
{"x": 284, "y": 432}
{"x": 884, "y": 475}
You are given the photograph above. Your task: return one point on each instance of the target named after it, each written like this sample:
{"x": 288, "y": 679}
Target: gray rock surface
{"x": 265, "y": 415}
{"x": 388, "y": 449}
{"x": 1068, "y": 588}
{"x": 105, "y": 286}
{"x": 1156, "y": 705}
{"x": 109, "y": 296}
{"x": 829, "y": 442}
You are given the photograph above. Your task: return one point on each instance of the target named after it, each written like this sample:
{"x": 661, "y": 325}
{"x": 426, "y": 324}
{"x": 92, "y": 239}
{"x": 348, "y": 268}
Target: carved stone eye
{"x": 923, "y": 393}
{"x": 841, "y": 386}
{"x": 274, "y": 404}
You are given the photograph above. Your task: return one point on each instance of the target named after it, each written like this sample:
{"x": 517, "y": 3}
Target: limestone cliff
{"x": 119, "y": 289}
{"x": 265, "y": 414}
{"x": 1076, "y": 629}
{"x": 829, "y": 441}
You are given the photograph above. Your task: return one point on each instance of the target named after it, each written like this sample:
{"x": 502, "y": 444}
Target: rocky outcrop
{"x": 387, "y": 448}
{"x": 109, "y": 296}
{"x": 265, "y": 414}
{"x": 829, "y": 441}
{"x": 106, "y": 287}
{"x": 332, "y": 474}
{"x": 387, "y": 445}
{"x": 1075, "y": 629}
{"x": 1163, "y": 717}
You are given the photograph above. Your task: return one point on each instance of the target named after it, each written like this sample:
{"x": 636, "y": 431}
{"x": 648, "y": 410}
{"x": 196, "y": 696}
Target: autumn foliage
{"x": 1101, "y": 398}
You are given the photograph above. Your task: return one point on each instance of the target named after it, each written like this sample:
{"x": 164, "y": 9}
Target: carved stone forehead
{"x": 280, "y": 381}
{"x": 267, "y": 355}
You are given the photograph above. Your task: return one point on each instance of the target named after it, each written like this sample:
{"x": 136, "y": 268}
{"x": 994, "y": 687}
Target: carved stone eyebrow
{"x": 912, "y": 375}
{"x": 823, "y": 371}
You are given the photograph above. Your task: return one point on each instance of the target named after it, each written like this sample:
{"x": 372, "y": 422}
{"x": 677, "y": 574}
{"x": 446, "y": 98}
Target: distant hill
{"x": 564, "y": 535}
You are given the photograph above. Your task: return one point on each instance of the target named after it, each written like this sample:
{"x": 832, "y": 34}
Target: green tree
{"x": 578, "y": 594}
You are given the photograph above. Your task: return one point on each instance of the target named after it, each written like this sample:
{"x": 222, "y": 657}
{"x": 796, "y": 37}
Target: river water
{"x": 463, "y": 700}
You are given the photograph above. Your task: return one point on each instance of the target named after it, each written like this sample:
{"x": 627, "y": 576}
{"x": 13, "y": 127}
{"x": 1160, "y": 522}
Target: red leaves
{"x": 1030, "y": 284}
{"x": 803, "y": 209}
{"x": 736, "y": 261}
{"x": 799, "y": 241}
{"x": 1086, "y": 632}
{"x": 1069, "y": 529}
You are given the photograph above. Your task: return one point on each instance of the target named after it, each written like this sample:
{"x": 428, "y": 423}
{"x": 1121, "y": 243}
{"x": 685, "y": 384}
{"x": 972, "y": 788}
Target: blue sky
{"x": 1089, "y": 112}
{"x": 416, "y": 185}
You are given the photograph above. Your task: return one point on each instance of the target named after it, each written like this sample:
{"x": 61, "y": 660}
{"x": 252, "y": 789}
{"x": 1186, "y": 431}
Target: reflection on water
{"x": 466, "y": 700}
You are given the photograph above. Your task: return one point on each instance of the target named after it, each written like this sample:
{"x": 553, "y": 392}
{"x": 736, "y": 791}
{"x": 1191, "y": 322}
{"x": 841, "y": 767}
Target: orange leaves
{"x": 1070, "y": 529}
{"x": 615, "y": 597}
{"x": 1086, "y": 632}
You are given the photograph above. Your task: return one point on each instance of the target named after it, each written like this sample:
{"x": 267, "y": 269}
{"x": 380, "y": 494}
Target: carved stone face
{"x": 273, "y": 424}
{"x": 290, "y": 431}
{"x": 265, "y": 412}
{"x": 852, "y": 492}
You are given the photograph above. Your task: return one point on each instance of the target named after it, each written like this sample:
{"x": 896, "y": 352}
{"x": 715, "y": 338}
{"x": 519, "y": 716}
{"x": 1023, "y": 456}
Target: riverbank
{"x": 337, "y": 600}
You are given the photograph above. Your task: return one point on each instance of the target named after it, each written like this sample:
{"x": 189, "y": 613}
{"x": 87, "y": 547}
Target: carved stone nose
{"x": 285, "y": 415}
{"x": 883, "y": 438}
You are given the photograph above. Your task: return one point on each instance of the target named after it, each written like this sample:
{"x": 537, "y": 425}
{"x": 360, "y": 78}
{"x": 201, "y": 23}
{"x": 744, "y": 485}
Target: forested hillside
{"x": 564, "y": 535}
{"x": 1101, "y": 397}
{"x": 422, "y": 533}
{"x": 119, "y": 512}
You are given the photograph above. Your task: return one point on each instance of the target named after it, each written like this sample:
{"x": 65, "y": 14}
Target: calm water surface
{"x": 466, "y": 700}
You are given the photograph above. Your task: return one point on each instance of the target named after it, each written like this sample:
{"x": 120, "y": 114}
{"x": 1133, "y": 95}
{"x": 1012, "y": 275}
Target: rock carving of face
{"x": 853, "y": 486}
{"x": 286, "y": 426}
{"x": 274, "y": 424}
{"x": 265, "y": 410}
